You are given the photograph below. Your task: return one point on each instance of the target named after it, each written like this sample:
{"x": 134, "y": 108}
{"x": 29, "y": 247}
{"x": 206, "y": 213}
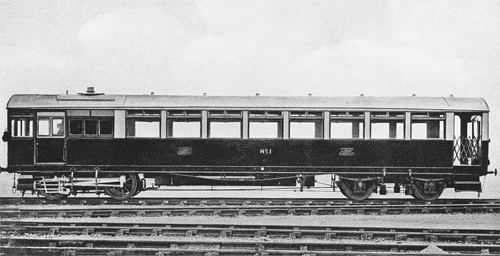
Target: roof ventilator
{"x": 90, "y": 92}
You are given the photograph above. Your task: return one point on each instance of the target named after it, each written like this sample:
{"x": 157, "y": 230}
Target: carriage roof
{"x": 101, "y": 101}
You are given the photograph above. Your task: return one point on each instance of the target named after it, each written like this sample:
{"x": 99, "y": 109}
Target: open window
{"x": 427, "y": 125}
{"x": 224, "y": 124}
{"x": 184, "y": 124}
{"x": 346, "y": 125}
{"x": 143, "y": 123}
{"x": 265, "y": 124}
{"x": 387, "y": 125}
{"x": 306, "y": 125}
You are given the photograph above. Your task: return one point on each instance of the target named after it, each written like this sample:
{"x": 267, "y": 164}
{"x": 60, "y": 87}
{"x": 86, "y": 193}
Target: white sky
{"x": 386, "y": 48}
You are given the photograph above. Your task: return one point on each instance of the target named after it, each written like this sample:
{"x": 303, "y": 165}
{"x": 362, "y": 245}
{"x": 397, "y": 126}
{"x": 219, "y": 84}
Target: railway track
{"x": 221, "y": 201}
{"x": 96, "y": 236}
{"x": 175, "y": 246}
{"x": 106, "y": 228}
{"x": 250, "y": 207}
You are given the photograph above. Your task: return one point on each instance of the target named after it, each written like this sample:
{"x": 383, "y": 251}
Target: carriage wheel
{"x": 52, "y": 196}
{"x": 128, "y": 190}
{"x": 356, "y": 189}
{"x": 427, "y": 190}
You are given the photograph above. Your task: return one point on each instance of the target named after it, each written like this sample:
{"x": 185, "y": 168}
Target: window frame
{"x": 426, "y": 119}
{"x": 149, "y": 115}
{"x": 224, "y": 117}
{"x": 51, "y": 116}
{"x": 22, "y": 115}
{"x": 348, "y": 117}
{"x": 307, "y": 117}
{"x": 183, "y": 116}
{"x": 378, "y": 117}
{"x": 84, "y": 120}
{"x": 267, "y": 116}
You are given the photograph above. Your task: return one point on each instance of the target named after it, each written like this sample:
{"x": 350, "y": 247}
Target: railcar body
{"x": 122, "y": 144}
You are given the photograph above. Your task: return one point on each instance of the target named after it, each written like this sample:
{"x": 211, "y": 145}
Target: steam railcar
{"x": 123, "y": 144}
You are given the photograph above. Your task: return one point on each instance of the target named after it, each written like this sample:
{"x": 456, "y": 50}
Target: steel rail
{"x": 230, "y": 210}
{"x": 119, "y": 245}
{"x": 77, "y": 227}
{"x": 220, "y": 201}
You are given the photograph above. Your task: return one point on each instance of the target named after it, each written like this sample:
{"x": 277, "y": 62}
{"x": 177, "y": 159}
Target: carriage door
{"x": 49, "y": 147}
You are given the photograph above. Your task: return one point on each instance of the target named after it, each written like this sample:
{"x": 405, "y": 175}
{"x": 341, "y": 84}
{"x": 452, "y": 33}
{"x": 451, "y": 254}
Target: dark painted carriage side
{"x": 54, "y": 150}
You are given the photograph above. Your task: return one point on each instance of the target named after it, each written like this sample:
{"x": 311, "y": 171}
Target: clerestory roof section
{"x": 451, "y": 104}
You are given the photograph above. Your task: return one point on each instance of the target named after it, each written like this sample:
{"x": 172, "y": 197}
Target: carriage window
{"x": 184, "y": 129}
{"x": 184, "y": 123}
{"x": 91, "y": 127}
{"x": 346, "y": 125}
{"x": 349, "y": 129}
{"x": 75, "y": 127}
{"x": 43, "y": 127}
{"x": 306, "y": 125}
{"x": 265, "y": 124}
{"x": 427, "y": 126}
{"x": 312, "y": 129}
{"x": 388, "y": 130}
{"x": 143, "y": 123}
{"x": 224, "y": 124}
{"x": 263, "y": 129}
{"x": 387, "y": 125}
{"x": 57, "y": 126}
{"x": 22, "y": 127}
{"x": 302, "y": 130}
{"x": 143, "y": 128}
{"x": 106, "y": 127}
{"x": 221, "y": 129}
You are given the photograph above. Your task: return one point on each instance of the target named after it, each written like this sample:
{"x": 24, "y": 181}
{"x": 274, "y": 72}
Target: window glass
{"x": 230, "y": 129}
{"x": 233, "y": 113}
{"x": 106, "y": 127}
{"x": 297, "y": 113}
{"x": 176, "y": 112}
{"x": 184, "y": 129}
{"x": 75, "y": 126}
{"x": 257, "y": 113}
{"x": 193, "y": 113}
{"x": 387, "y": 130}
{"x": 314, "y": 113}
{"x": 57, "y": 126}
{"x": 91, "y": 127}
{"x": 135, "y": 112}
{"x": 346, "y": 130}
{"x": 306, "y": 129}
{"x": 43, "y": 127}
{"x": 216, "y": 113}
{"x": 151, "y": 113}
{"x": 143, "y": 128}
{"x": 264, "y": 129}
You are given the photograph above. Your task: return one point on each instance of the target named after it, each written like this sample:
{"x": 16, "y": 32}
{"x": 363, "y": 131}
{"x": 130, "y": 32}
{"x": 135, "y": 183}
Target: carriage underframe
{"x": 355, "y": 183}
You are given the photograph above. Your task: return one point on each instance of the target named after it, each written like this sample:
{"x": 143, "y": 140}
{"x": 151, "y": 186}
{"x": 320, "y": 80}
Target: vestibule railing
{"x": 467, "y": 150}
